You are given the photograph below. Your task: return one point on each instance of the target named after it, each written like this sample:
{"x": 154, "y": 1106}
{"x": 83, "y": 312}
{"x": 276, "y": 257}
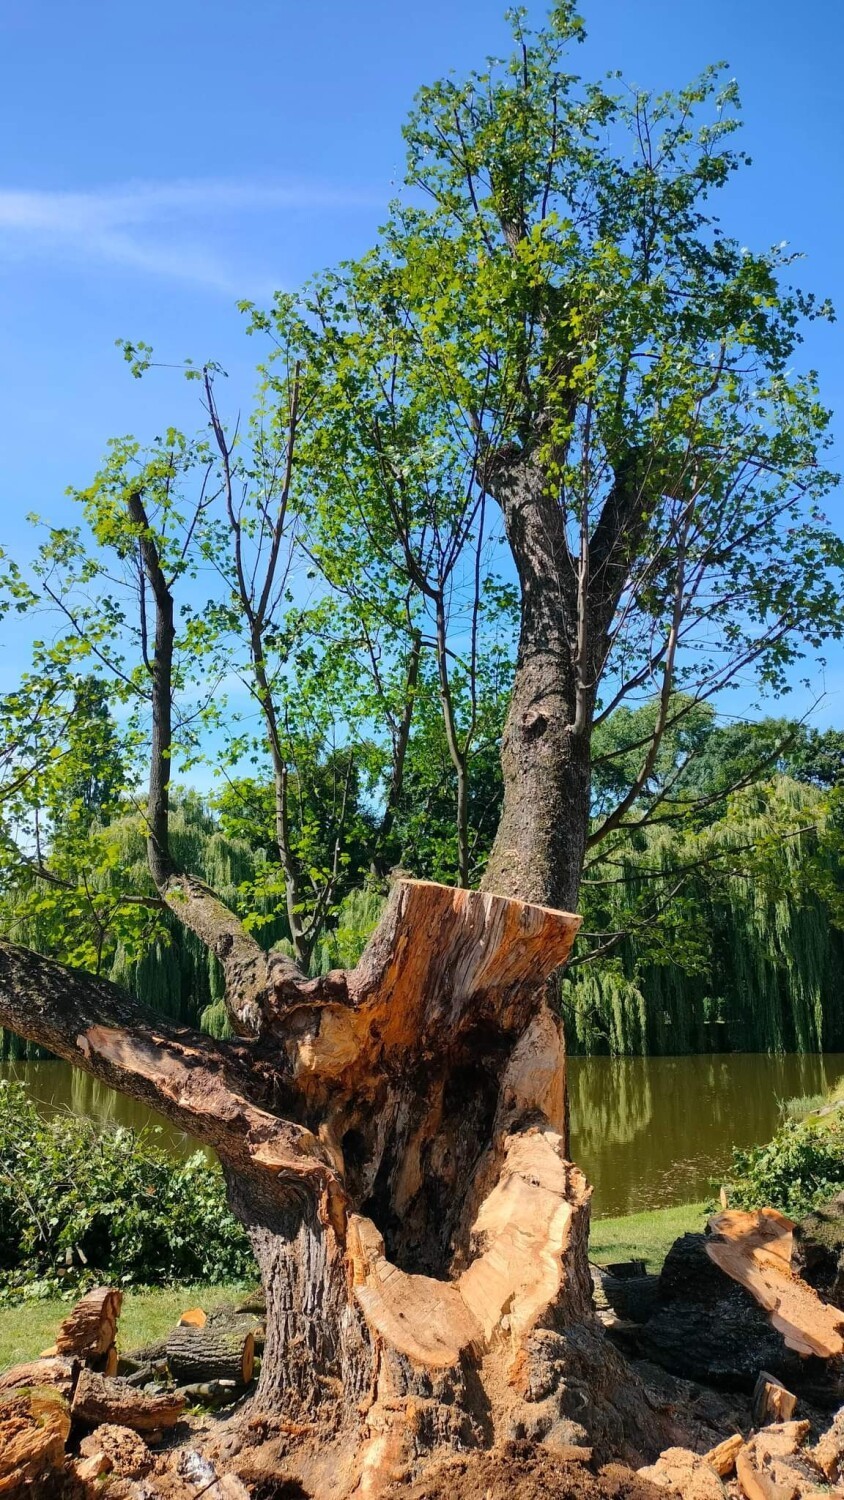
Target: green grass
{"x": 146, "y": 1317}
{"x": 647, "y": 1236}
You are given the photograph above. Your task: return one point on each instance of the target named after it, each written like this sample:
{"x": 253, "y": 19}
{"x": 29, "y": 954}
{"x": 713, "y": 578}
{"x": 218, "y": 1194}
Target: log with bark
{"x": 392, "y": 1137}
{"x": 58, "y": 1371}
{"x": 102, "y": 1398}
{"x": 90, "y": 1329}
{"x": 728, "y": 1306}
{"x": 755, "y": 1249}
{"x": 212, "y": 1352}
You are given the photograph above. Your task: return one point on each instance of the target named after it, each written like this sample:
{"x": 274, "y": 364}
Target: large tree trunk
{"x": 541, "y": 838}
{"x": 392, "y": 1141}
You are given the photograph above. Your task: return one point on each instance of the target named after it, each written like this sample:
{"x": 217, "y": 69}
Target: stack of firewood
{"x": 69, "y": 1418}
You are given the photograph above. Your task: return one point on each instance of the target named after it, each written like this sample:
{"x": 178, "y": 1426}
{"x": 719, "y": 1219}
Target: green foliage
{"x": 731, "y": 934}
{"x": 80, "y": 1205}
{"x": 342, "y": 945}
{"x": 801, "y": 1168}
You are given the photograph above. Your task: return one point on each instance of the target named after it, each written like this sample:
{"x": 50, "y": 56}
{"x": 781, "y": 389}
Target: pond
{"x": 648, "y": 1131}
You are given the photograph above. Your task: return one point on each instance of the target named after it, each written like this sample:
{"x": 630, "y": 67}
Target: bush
{"x": 801, "y": 1168}
{"x": 81, "y": 1204}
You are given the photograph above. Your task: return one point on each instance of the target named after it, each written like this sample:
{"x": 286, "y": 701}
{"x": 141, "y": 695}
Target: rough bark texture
{"x": 211, "y": 1353}
{"x": 393, "y": 1142}
{"x": 708, "y": 1326}
{"x": 541, "y": 838}
{"x": 98, "y": 1399}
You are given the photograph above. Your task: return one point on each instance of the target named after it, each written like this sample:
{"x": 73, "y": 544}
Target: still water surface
{"x": 648, "y": 1131}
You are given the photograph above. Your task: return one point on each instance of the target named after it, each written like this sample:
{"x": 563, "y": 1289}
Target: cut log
{"x": 755, "y": 1249}
{"x": 213, "y": 1352}
{"x": 722, "y": 1458}
{"x": 59, "y": 1372}
{"x": 771, "y": 1402}
{"x": 98, "y": 1398}
{"x": 193, "y": 1317}
{"x": 631, "y": 1298}
{"x": 707, "y": 1327}
{"x": 90, "y": 1329}
{"x": 34, "y": 1427}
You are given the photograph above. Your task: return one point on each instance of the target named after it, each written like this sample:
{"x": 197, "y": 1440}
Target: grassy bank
{"x": 30, "y": 1327}
{"x": 647, "y": 1236}
{"x": 27, "y": 1329}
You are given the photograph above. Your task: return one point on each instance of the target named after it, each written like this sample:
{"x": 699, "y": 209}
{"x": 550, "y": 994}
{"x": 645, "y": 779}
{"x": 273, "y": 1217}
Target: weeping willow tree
{"x": 153, "y": 956}
{"x": 743, "y": 951}
{"x": 158, "y": 960}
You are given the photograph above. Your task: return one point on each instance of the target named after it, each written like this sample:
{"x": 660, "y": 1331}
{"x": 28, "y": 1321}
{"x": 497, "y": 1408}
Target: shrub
{"x": 801, "y": 1168}
{"x": 81, "y": 1203}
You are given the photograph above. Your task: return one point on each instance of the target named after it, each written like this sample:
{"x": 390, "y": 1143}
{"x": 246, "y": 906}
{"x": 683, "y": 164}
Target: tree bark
{"x": 541, "y": 838}
{"x": 211, "y": 1353}
{"x": 98, "y": 1399}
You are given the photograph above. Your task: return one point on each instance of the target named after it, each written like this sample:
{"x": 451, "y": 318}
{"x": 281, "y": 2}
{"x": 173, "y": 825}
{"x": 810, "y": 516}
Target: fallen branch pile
{"x": 80, "y": 1415}
{"x": 68, "y": 1420}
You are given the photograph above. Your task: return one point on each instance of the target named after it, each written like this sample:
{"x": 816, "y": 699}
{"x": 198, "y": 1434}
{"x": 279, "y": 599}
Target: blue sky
{"x": 164, "y": 160}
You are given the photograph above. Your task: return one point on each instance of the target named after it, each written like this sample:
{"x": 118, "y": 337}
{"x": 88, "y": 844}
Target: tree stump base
{"x": 393, "y": 1139}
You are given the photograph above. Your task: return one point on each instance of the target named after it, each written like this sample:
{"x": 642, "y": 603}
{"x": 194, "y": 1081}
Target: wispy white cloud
{"x": 160, "y": 228}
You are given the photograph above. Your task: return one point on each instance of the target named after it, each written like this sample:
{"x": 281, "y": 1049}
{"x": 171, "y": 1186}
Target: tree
{"x": 564, "y": 331}
{"x": 391, "y": 1135}
{"x": 617, "y": 373}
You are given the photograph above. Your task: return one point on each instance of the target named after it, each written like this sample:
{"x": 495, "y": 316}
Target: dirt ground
{"x": 524, "y": 1472}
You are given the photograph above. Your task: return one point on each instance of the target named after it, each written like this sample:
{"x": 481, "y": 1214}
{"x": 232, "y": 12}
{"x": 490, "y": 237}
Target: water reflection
{"x": 56, "y": 1087}
{"x": 652, "y": 1131}
{"x": 648, "y": 1131}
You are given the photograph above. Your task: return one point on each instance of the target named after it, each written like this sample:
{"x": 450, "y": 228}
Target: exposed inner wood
{"x": 57, "y": 1371}
{"x": 90, "y": 1328}
{"x": 521, "y": 1232}
{"x": 34, "y": 1426}
{"x": 393, "y": 1140}
{"x": 755, "y": 1250}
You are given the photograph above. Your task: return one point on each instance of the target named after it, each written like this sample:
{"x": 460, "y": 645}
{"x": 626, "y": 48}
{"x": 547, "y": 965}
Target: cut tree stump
{"x": 393, "y": 1137}
{"x": 34, "y": 1427}
{"x": 213, "y": 1352}
{"x": 98, "y": 1398}
{"x": 90, "y": 1329}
